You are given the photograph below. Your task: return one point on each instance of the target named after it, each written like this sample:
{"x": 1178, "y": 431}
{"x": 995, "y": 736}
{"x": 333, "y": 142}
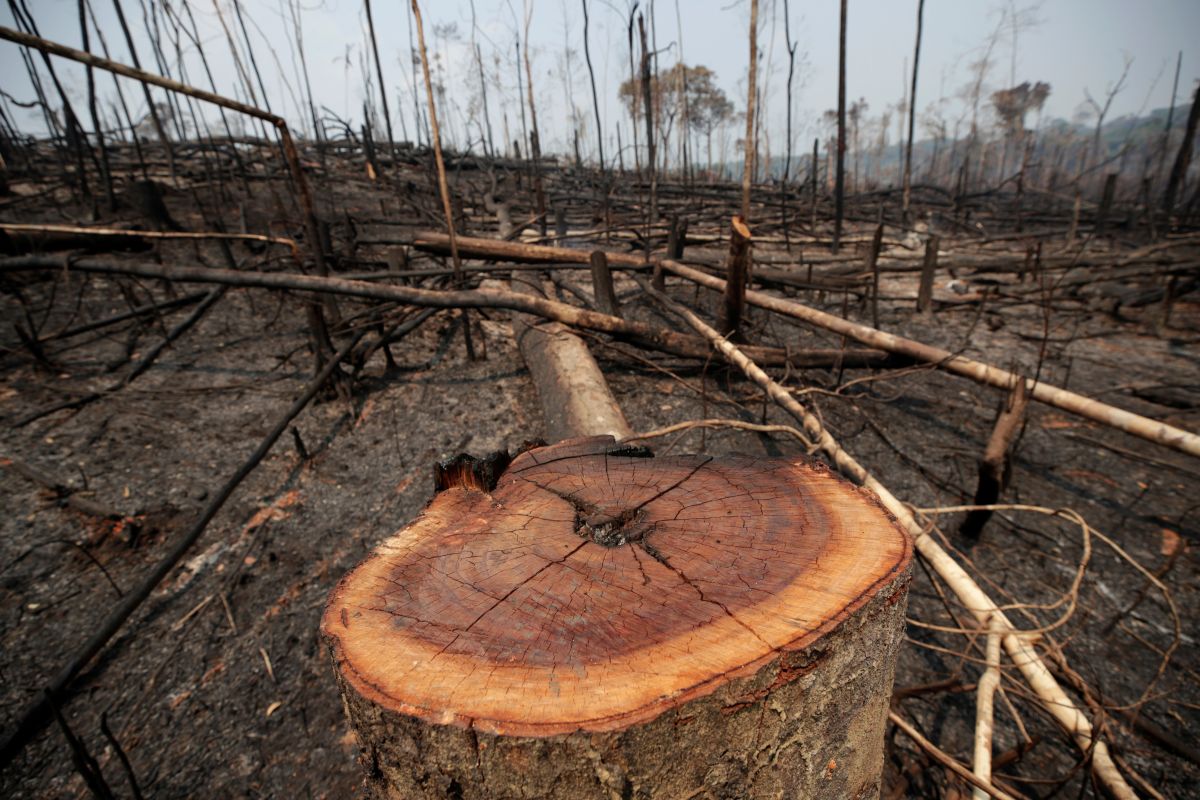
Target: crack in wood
{"x": 506, "y": 595}
{"x": 613, "y": 530}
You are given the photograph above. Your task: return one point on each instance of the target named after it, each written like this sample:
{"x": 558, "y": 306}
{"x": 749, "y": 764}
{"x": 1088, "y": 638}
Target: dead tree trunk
{"x": 647, "y": 100}
{"x": 912, "y": 111}
{"x": 150, "y": 107}
{"x": 748, "y": 161}
{"x": 387, "y": 116}
{"x": 928, "y": 270}
{"x": 1179, "y": 169}
{"x": 587, "y": 54}
{"x": 995, "y": 467}
{"x": 737, "y": 276}
{"x": 873, "y": 268}
{"x": 602, "y": 285}
{"x": 443, "y": 186}
{"x": 839, "y": 199}
{"x": 579, "y": 626}
{"x": 535, "y": 143}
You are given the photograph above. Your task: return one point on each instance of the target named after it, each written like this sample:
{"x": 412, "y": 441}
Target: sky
{"x": 1077, "y": 46}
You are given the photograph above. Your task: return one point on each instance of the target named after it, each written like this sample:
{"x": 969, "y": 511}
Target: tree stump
{"x": 589, "y": 621}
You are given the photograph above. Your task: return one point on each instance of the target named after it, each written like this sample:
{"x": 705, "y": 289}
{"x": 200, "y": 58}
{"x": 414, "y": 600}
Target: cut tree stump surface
{"x": 594, "y": 587}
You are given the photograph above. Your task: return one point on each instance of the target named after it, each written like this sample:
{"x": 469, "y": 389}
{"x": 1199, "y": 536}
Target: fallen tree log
{"x": 639, "y": 333}
{"x": 574, "y": 395}
{"x": 987, "y": 614}
{"x": 14, "y": 241}
{"x": 23, "y": 238}
{"x": 599, "y": 623}
{"x": 1149, "y": 429}
{"x": 519, "y": 252}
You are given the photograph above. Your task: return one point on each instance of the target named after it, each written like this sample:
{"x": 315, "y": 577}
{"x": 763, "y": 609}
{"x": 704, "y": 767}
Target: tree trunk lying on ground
{"x": 640, "y": 333}
{"x": 601, "y": 623}
{"x": 575, "y": 398}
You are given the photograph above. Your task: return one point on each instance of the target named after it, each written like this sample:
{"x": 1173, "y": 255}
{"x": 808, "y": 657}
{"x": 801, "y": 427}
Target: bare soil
{"x": 219, "y": 685}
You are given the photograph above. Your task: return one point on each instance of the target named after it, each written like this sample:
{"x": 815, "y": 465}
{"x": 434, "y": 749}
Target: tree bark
{"x": 387, "y": 116}
{"x": 587, "y": 54}
{"x": 995, "y": 468}
{"x": 602, "y": 285}
{"x": 647, "y": 99}
{"x": 597, "y": 623}
{"x": 912, "y": 111}
{"x": 928, "y": 269}
{"x": 748, "y": 151}
{"x": 738, "y": 275}
{"x": 1149, "y": 429}
{"x": 839, "y": 200}
{"x": 1179, "y": 169}
{"x": 573, "y": 393}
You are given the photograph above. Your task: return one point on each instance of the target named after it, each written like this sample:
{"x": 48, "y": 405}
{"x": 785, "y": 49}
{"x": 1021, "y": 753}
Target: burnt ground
{"x": 219, "y": 686}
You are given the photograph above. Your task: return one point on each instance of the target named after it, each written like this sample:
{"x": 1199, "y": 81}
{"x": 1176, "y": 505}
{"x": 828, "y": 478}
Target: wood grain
{"x": 594, "y": 587}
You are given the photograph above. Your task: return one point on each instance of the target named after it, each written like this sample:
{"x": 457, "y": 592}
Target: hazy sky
{"x": 1072, "y": 44}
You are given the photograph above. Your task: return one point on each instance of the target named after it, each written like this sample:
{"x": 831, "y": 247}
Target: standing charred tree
{"x": 633, "y": 79}
{"x": 535, "y": 146}
{"x": 153, "y": 109}
{"x": 1093, "y": 159}
{"x": 587, "y": 55}
{"x": 752, "y": 81}
{"x": 839, "y": 191}
{"x": 105, "y": 167}
{"x": 490, "y": 146}
{"x": 814, "y": 173}
{"x": 413, "y": 60}
{"x": 787, "y": 161}
{"x": 443, "y": 186}
{"x": 387, "y": 116}
{"x": 791, "y": 49}
{"x": 76, "y": 138}
{"x": 298, "y": 35}
{"x": 1166, "y": 134}
{"x": 121, "y": 103}
{"x": 521, "y": 95}
{"x": 647, "y": 101}
{"x": 912, "y": 110}
{"x": 1184, "y": 158}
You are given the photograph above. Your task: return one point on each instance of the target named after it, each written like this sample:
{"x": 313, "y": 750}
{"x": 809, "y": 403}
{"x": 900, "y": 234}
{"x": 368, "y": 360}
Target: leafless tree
{"x": 1101, "y": 111}
{"x": 912, "y": 109}
{"x": 840, "y": 190}
{"x": 587, "y": 55}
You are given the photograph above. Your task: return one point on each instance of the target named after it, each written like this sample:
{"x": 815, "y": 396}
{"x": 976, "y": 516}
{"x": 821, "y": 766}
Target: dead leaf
{"x": 271, "y": 709}
{"x": 275, "y": 511}
{"x": 1172, "y": 542}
